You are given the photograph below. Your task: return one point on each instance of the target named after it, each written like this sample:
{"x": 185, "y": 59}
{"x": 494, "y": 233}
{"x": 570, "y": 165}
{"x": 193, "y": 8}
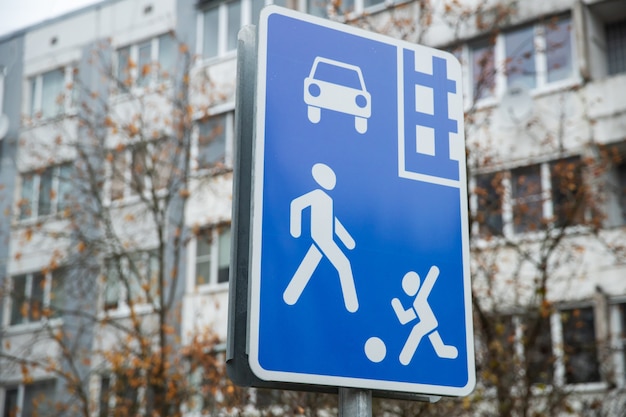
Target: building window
{"x": 551, "y": 193}
{"x": 527, "y": 198}
{"x": 567, "y": 192}
{"x": 214, "y": 140}
{"x": 579, "y": 346}
{"x": 36, "y": 296}
{"x": 537, "y": 343}
{"x": 520, "y": 57}
{"x": 616, "y": 46}
{"x": 147, "y": 62}
{"x": 104, "y": 397}
{"x": 220, "y": 25}
{"x": 489, "y": 193}
{"x": 46, "y": 192}
{"x": 558, "y": 49}
{"x": 137, "y": 169}
{"x": 212, "y": 256}
{"x": 483, "y": 69}
{"x": 35, "y": 399}
{"x": 131, "y": 279}
{"x": 540, "y": 54}
{"x": 533, "y": 56}
{"x": 48, "y": 96}
{"x": 10, "y": 407}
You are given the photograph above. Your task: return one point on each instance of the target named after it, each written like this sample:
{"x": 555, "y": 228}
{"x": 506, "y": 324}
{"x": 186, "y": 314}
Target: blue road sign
{"x": 360, "y": 247}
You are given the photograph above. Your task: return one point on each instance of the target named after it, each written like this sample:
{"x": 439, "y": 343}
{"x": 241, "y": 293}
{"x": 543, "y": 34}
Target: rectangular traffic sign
{"x": 359, "y": 269}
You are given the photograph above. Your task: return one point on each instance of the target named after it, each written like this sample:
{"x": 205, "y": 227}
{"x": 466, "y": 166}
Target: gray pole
{"x": 355, "y": 402}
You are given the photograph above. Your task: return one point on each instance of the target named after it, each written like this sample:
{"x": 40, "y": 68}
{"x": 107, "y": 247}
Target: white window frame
{"x": 557, "y": 340}
{"x": 55, "y": 200}
{"x": 46, "y": 299}
{"x": 558, "y": 343}
{"x": 222, "y": 29}
{"x": 128, "y": 193}
{"x": 223, "y": 52}
{"x": 154, "y": 76}
{"x": 35, "y": 94}
{"x": 213, "y": 284}
{"x": 21, "y": 393}
{"x": 229, "y": 131}
{"x": 542, "y": 86}
{"x": 123, "y": 307}
{"x": 508, "y": 226}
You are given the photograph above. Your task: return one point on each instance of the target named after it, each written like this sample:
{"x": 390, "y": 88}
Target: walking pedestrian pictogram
{"x": 324, "y": 227}
{"x": 420, "y": 310}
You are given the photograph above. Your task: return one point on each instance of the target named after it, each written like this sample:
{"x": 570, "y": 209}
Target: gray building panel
{"x": 12, "y": 67}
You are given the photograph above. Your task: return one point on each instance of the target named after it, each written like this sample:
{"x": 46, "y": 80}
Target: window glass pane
{"x": 112, "y": 285}
{"x": 368, "y": 3}
{"x": 36, "y": 296}
{"x": 290, "y": 4}
{"x": 26, "y": 200}
{"x": 57, "y": 292}
{"x": 105, "y": 393}
{"x": 144, "y": 59}
{"x": 234, "y": 24}
{"x": 559, "y": 49}
{"x": 537, "y": 342}
{"x": 338, "y": 7}
{"x": 568, "y": 197}
{"x": 616, "y": 46}
{"x": 317, "y": 7}
{"x": 211, "y": 141}
{"x": 19, "y": 306}
{"x": 118, "y": 175}
{"x": 483, "y": 69}
{"x": 38, "y": 398}
{"x": 52, "y": 93}
{"x": 33, "y": 96}
{"x": 152, "y": 275}
{"x": 527, "y": 198}
{"x": 63, "y": 194}
{"x": 123, "y": 65}
{"x": 138, "y": 169}
{"x": 489, "y": 192}
{"x": 520, "y": 57}
{"x": 167, "y": 56}
{"x": 10, "y": 403}
{"x": 257, "y": 5}
{"x": 137, "y": 267}
{"x": 203, "y": 272}
{"x": 44, "y": 206}
{"x": 579, "y": 346}
{"x": 223, "y": 262}
{"x": 495, "y": 349}
{"x": 203, "y": 257}
{"x": 211, "y": 31}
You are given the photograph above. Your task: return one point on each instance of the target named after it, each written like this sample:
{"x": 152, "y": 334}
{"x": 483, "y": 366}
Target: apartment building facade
{"x": 543, "y": 86}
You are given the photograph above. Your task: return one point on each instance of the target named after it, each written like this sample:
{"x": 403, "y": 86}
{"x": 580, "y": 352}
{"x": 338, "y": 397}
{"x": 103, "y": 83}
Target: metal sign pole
{"x": 355, "y": 402}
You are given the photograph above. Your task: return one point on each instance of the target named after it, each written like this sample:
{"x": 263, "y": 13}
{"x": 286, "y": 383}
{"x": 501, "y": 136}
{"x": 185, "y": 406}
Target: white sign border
{"x": 257, "y": 216}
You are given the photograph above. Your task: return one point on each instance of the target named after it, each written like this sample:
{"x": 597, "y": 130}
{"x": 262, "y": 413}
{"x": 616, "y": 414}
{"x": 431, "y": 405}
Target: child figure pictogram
{"x": 324, "y": 227}
{"x": 420, "y": 309}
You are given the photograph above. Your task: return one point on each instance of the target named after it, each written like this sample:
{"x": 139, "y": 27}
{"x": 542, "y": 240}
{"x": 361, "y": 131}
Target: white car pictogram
{"x": 337, "y": 86}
